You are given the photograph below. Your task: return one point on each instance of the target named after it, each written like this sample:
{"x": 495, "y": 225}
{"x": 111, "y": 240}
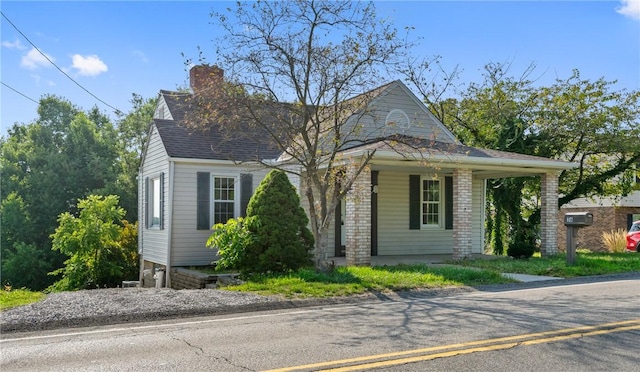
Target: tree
{"x": 132, "y": 135}
{"x": 278, "y": 224}
{"x": 573, "y": 119}
{"x": 47, "y": 165}
{"x": 295, "y": 72}
{"x": 98, "y": 244}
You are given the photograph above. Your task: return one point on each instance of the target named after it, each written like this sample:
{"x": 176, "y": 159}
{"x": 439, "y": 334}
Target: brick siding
{"x": 358, "y": 221}
{"x": 549, "y": 214}
{"x": 605, "y": 219}
{"x": 462, "y": 188}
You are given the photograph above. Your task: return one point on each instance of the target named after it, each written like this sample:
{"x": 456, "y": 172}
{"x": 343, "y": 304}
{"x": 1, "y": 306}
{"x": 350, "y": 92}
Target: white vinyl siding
{"x": 188, "y": 243}
{"x": 392, "y": 105}
{"x": 162, "y": 110}
{"x": 394, "y": 235}
{"x": 153, "y": 241}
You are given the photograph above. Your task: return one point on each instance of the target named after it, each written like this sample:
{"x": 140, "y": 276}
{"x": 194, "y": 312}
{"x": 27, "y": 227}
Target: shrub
{"x": 231, "y": 239}
{"x": 521, "y": 250}
{"x": 615, "y": 241}
{"x": 274, "y": 216}
{"x": 522, "y": 244}
{"x": 101, "y": 246}
{"x": 272, "y": 238}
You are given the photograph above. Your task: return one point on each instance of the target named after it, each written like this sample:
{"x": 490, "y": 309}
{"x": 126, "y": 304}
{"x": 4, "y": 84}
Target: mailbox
{"x": 578, "y": 219}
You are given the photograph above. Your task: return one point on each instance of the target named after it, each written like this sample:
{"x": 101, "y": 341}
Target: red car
{"x": 633, "y": 238}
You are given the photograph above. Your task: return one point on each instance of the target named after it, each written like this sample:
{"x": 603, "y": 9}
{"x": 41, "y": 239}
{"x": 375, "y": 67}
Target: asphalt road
{"x": 563, "y": 326}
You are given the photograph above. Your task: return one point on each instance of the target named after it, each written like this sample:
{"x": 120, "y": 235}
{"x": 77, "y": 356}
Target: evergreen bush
{"x": 279, "y": 224}
{"x": 274, "y": 236}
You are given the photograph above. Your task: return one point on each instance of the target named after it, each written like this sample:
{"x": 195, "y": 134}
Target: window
{"x": 155, "y": 202}
{"x": 220, "y": 198}
{"x": 430, "y": 202}
{"x": 397, "y": 118}
{"x": 223, "y": 199}
{"x": 431, "y": 199}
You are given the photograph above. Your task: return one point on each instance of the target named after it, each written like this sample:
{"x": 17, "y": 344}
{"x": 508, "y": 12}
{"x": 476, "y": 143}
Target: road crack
{"x": 200, "y": 351}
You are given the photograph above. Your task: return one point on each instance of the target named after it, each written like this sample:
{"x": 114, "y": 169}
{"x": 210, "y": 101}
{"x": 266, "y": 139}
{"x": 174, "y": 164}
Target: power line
{"x": 56, "y": 66}
{"x": 20, "y": 93}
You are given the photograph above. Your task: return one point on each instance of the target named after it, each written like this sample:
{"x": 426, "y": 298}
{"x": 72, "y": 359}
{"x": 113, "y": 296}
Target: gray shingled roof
{"x": 407, "y": 144}
{"x": 181, "y": 142}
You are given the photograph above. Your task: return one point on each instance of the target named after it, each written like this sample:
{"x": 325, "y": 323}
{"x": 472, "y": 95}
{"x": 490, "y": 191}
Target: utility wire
{"x": 56, "y": 66}
{"x": 20, "y": 93}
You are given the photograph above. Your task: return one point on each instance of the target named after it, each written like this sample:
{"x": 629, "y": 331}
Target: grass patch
{"x": 18, "y": 297}
{"x": 344, "y": 281}
{"x": 587, "y": 263}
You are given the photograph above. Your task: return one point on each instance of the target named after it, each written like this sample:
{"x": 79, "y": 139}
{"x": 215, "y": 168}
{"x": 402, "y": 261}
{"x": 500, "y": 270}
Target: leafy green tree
{"x": 132, "y": 135}
{"x": 574, "y": 119}
{"x": 98, "y": 244}
{"x": 25, "y": 266}
{"x": 272, "y": 238}
{"x": 65, "y": 155}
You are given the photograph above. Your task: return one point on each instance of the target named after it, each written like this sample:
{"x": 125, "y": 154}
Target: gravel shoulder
{"x": 126, "y": 305}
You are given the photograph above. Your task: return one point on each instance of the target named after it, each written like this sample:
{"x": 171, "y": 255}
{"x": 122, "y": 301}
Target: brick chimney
{"x": 205, "y": 76}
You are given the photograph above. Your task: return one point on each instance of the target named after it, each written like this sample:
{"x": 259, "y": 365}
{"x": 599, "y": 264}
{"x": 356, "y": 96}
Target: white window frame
{"x": 440, "y": 203}
{"x": 404, "y": 123}
{"x": 236, "y": 196}
{"x": 154, "y": 202}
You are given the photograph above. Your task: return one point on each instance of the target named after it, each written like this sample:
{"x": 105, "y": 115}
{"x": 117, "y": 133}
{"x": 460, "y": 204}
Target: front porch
{"x": 411, "y": 214}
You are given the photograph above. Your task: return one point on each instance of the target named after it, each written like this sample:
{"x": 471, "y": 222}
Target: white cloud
{"x": 14, "y": 45}
{"x": 88, "y": 65}
{"x": 629, "y": 8}
{"x": 140, "y": 55}
{"x": 34, "y": 59}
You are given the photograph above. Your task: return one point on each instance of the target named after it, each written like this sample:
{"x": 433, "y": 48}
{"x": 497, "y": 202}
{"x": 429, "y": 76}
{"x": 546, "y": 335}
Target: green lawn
{"x": 18, "y": 297}
{"x": 587, "y": 263}
{"x": 344, "y": 281}
{"x": 355, "y": 280}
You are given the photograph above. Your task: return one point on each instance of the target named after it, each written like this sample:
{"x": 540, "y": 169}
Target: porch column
{"x": 549, "y": 214}
{"x": 357, "y": 221}
{"x": 462, "y": 183}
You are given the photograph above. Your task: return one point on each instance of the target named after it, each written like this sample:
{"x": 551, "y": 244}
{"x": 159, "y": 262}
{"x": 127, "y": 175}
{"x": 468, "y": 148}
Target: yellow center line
{"x": 464, "y": 348}
{"x": 394, "y": 362}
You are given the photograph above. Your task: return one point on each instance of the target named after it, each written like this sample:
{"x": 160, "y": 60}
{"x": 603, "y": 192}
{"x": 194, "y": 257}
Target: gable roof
{"x": 213, "y": 144}
{"x": 176, "y": 103}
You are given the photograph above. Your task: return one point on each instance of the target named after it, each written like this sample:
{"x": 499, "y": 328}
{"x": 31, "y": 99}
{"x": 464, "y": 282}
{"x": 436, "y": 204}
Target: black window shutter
{"x": 246, "y": 190}
{"x": 203, "y": 202}
{"x": 629, "y": 221}
{"x": 448, "y": 203}
{"x": 146, "y": 203}
{"x": 414, "y": 202}
{"x": 161, "y": 201}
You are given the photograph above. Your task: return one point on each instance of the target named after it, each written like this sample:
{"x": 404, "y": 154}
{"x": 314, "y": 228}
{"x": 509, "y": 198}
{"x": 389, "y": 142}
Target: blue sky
{"x": 113, "y": 49}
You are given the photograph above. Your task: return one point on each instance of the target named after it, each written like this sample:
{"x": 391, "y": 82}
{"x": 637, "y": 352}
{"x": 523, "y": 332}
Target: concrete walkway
{"x": 529, "y": 278}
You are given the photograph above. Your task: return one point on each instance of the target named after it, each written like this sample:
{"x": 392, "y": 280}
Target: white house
{"x": 189, "y": 181}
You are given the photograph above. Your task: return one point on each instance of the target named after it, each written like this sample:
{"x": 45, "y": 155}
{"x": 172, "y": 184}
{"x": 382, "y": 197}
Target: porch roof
{"x": 485, "y": 163}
